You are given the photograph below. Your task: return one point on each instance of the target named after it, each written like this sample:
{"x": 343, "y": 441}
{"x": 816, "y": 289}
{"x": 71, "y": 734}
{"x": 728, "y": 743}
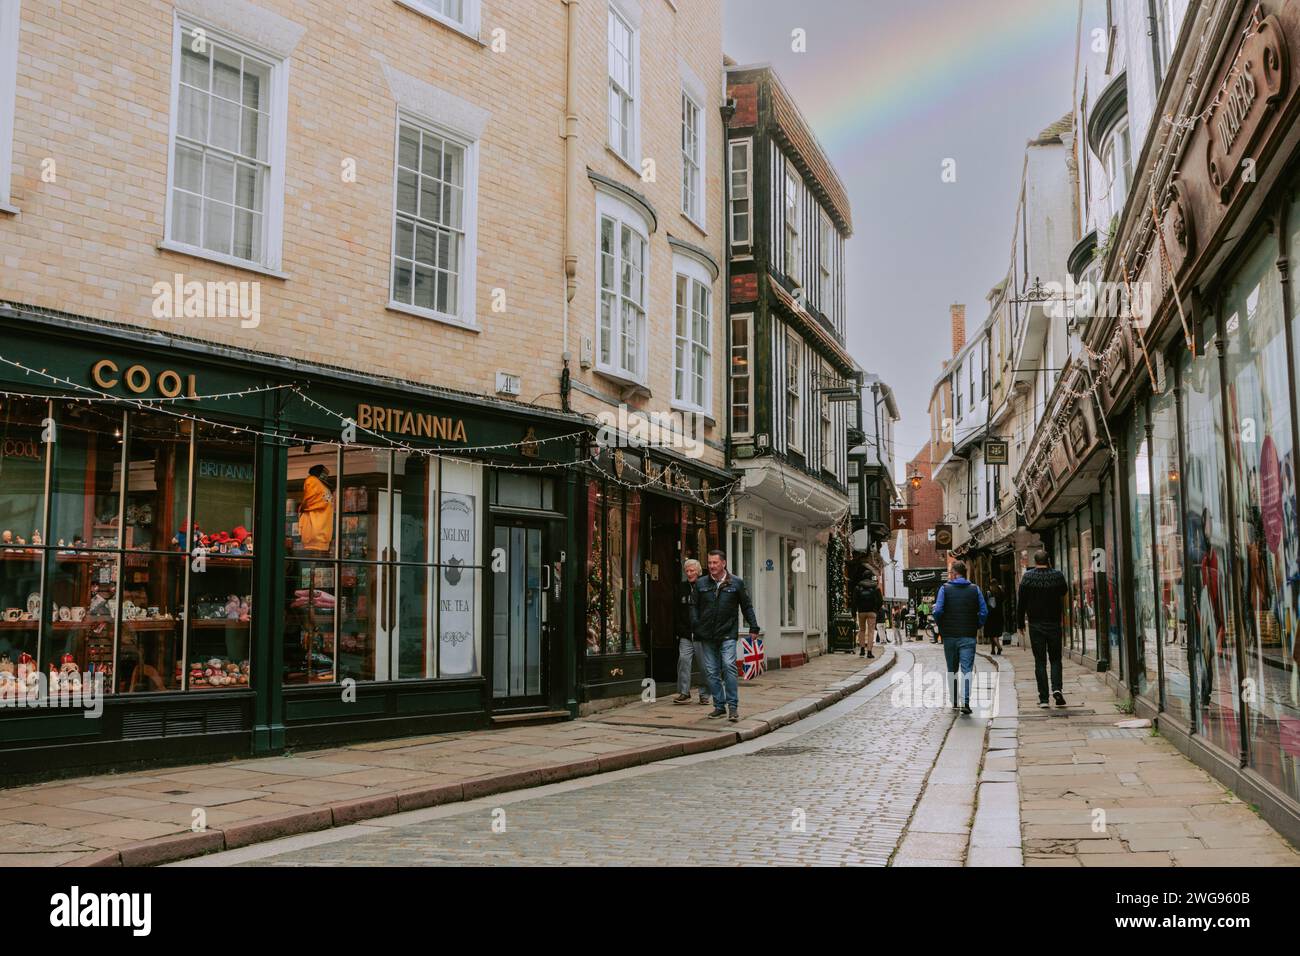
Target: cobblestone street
{"x": 853, "y": 783}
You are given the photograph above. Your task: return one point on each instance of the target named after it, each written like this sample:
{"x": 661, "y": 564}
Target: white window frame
{"x": 693, "y": 167}
{"x": 792, "y": 188}
{"x": 1118, "y": 167}
{"x": 624, "y": 215}
{"x": 10, "y": 24}
{"x": 471, "y": 17}
{"x": 744, "y": 194}
{"x": 697, "y": 277}
{"x": 465, "y": 315}
{"x": 278, "y": 110}
{"x": 747, "y": 351}
{"x": 630, "y": 20}
{"x": 794, "y": 392}
{"x": 825, "y": 263}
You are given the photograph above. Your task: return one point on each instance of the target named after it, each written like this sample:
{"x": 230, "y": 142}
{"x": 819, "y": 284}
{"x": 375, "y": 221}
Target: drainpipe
{"x": 570, "y": 135}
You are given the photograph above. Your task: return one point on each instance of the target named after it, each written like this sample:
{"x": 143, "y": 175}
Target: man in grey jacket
{"x": 718, "y": 598}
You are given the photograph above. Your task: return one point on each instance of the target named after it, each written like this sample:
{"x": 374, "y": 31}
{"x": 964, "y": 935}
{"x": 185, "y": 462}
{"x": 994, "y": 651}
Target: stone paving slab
{"x": 1122, "y": 801}
{"x": 145, "y": 818}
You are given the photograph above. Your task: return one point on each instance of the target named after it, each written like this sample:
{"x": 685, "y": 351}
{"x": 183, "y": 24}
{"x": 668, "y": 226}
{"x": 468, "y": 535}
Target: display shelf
{"x": 219, "y": 623}
{"x": 19, "y": 625}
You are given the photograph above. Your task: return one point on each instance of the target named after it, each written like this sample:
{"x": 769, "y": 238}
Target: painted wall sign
{"x": 1247, "y": 96}
{"x": 138, "y": 379}
{"x": 456, "y": 585}
{"x": 398, "y": 421}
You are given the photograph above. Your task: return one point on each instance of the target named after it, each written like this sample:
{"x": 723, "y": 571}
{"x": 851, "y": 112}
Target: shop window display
{"x": 120, "y": 492}
{"x": 1074, "y": 575}
{"x": 1108, "y": 581}
{"x": 1258, "y": 391}
{"x": 1141, "y": 553}
{"x": 394, "y": 591}
{"x": 1212, "y": 634}
{"x": 1088, "y": 584}
{"x": 23, "y": 456}
{"x": 1166, "y": 504}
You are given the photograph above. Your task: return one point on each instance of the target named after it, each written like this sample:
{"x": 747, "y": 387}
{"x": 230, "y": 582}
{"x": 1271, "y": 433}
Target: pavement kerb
{"x": 181, "y": 846}
{"x": 993, "y": 801}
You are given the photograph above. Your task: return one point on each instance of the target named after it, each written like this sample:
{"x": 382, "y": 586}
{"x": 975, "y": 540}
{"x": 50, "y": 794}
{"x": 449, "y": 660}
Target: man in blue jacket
{"x": 718, "y": 598}
{"x": 959, "y": 611}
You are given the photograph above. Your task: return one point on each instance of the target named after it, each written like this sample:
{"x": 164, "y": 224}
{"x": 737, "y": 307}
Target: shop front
{"x": 1196, "y": 505}
{"x": 646, "y": 511}
{"x": 243, "y": 555}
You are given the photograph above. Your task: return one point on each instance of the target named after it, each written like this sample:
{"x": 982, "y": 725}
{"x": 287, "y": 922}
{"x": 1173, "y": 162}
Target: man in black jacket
{"x": 717, "y": 599}
{"x": 1039, "y": 598}
{"x": 687, "y": 647}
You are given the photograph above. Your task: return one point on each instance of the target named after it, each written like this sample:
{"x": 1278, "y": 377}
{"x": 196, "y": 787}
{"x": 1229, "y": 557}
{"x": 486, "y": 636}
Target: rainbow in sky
{"x": 931, "y": 58}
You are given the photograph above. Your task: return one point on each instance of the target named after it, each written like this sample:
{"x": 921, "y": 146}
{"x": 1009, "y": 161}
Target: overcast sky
{"x": 892, "y": 90}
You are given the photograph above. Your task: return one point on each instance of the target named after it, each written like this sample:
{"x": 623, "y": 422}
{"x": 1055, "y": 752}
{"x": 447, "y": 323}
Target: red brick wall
{"x": 746, "y": 97}
{"x": 926, "y": 503}
{"x": 744, "y": 288}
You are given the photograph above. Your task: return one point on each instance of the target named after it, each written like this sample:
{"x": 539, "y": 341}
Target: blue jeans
{"x": 720, "y": 670}
{"x": 960, "y": 652}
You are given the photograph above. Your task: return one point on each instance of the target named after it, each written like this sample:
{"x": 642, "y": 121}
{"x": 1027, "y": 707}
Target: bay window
{"x": 622, "y": 264}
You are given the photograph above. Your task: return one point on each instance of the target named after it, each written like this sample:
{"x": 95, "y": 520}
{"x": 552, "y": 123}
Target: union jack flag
{"x": 751, "y": 661}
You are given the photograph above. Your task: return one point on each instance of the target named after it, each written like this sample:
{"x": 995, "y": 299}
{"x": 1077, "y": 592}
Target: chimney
{"x": 958, "y": 313}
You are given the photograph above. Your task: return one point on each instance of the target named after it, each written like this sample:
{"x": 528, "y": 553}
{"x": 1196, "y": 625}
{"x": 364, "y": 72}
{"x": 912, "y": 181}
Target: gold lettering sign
{"x": 138, "y": 379}
{"x": 399, "y": 421}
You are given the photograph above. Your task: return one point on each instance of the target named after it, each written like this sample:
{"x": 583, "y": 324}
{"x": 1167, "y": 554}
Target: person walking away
{"x": 993, "y": 623}
{"x": 959, "y": 612}
{"x": 867, "y": 601}
{"x": 1039, "y": 599}
{"x": 718, "y": 598}
{"x": 687, "y": 646}
{"x": 923, "y": 620}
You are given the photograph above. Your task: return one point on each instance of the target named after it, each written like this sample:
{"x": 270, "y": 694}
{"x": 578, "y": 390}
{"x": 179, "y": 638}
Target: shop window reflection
{"x": 1213, "y": 628}
{"x": 157, "y": 490}
{"x": 1142, "y": 552}
{"x": 309, "y": 622}
{"x": 23, "y": 452}
{"x": 1258, "y": 391}
{"x": 150, "y": 649}
{"x": 1166, "y": 475}
{"x": 86, "y": 494}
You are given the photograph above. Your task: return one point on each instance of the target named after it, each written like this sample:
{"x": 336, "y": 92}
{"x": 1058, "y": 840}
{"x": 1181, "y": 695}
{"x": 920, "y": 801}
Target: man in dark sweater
{"x": 1040, "y": 597}
{"x": 959, "y": 611}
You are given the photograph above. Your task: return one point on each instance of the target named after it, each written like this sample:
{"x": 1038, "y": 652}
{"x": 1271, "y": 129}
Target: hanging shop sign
{"x": 943, "y": 537}
{"x": 996, "y": 452}
{"x": 140, "y": 380}
{"x": 900, "y": 519}
{"x": 397, "y": 421}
